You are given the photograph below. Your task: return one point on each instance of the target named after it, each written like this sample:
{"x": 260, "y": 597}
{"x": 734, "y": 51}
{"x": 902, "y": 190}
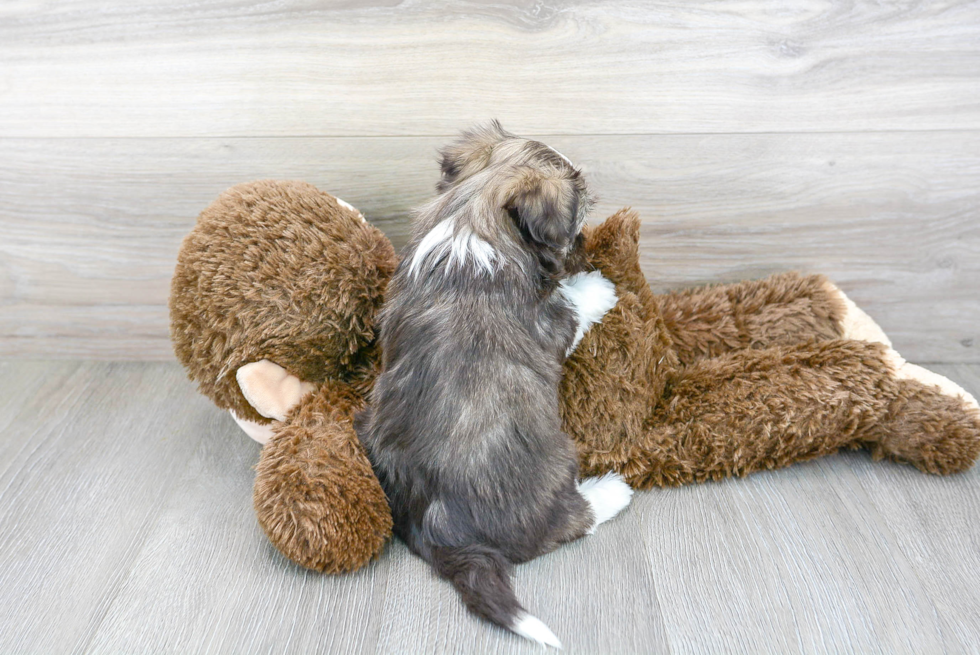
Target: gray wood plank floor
{"x": 125, "y": 508}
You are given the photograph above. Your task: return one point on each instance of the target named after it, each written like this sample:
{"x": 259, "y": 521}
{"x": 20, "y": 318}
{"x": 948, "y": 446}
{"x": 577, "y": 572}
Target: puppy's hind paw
{"x": 607, "y": 495}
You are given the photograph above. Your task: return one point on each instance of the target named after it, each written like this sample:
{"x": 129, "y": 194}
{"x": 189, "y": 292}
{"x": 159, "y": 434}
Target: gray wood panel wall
{"x": 753, "y": 137}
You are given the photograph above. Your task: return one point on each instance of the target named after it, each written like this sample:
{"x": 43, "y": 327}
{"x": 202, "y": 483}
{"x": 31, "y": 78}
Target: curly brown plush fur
{"x": 667, "y": 389}
{"x": 727, "y": 380}
{"x": 264, "y": 276}
{"x": 282, "y": 271}
{"x": 314, "y": 485}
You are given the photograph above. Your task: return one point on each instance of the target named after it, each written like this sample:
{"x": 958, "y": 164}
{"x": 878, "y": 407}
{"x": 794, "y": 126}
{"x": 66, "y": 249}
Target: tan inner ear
{"x": 270, "y": 389}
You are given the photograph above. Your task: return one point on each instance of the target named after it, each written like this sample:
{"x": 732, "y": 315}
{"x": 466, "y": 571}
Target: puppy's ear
{"x": 470, "y": 153}
{"x": 546, "y": 207}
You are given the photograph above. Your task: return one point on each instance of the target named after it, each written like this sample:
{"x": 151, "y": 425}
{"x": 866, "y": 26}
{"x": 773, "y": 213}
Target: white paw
{"x": 590, "y": 296}
{"x": 906, "y": 371}
{"x": 856, "y": 324}
{"x": 607, "y": 495}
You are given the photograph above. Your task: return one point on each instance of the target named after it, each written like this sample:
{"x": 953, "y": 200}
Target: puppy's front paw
{"x": 607, "y": 495}
{"x": 590, "y": 296}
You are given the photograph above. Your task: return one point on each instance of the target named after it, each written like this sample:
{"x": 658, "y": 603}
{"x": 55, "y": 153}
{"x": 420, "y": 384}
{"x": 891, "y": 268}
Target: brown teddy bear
{"x": 272, "y": 304}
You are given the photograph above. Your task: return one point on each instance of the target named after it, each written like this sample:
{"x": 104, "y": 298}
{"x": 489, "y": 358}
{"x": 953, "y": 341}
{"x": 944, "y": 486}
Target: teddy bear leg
{"x": 783, "y": 309}
{"x": 931, "y": 423}
{"x": 855, "y": 322}
{"x": 751, "y": 410}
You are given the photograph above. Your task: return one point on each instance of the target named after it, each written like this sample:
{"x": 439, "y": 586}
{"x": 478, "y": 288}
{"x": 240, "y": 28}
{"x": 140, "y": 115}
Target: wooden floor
{"x": 753, "y": 137}
{"x": 125, "y": 506}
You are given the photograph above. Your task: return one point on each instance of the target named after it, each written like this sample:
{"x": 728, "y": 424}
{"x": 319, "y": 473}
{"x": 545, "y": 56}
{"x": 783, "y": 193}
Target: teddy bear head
{"x": 244, "y": 290}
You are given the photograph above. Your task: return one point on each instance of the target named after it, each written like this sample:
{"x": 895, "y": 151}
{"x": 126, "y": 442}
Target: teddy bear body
{"x": 730, "y": 379}
{"x": 272, "y": 308}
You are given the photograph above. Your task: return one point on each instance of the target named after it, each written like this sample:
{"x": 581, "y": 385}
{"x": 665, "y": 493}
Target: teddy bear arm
{"x": 783, "y": 309}
{"x": 316, "y": 495}
{"x": 613, "y": 380}
{"x": 751, "y": 410}
{"x": 612, "y": 247}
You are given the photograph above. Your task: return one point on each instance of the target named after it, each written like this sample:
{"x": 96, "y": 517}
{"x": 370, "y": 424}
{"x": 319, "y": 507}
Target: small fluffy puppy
{"x": 463, "y": 426}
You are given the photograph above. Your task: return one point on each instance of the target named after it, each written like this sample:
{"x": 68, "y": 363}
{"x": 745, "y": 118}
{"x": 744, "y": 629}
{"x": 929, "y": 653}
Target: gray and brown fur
{"x": 668, "y": 389}
{"x": 463, "y": 426}
{"x": 730, "y": 379}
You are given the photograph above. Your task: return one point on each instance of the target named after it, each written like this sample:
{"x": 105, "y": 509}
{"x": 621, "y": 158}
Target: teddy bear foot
{"x": 856, "y": 324}
{"x": 903, "y": 370}
{"x": 270, "y": 389}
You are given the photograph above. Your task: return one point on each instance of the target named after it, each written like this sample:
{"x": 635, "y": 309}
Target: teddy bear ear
{"x": 270, "y": 389}
{"x": 470, "y": 153}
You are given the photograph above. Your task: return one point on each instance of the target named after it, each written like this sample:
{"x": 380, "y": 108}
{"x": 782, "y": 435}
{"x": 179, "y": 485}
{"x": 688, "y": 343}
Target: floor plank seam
{"x": 450, "y": 135}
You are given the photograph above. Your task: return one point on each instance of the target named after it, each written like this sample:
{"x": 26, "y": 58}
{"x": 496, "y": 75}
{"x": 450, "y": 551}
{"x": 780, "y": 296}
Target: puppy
{"x": 463, "y": 426}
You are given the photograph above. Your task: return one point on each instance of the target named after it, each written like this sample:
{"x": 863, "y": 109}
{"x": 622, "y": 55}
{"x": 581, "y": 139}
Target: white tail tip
{"x": 531, "y": 627}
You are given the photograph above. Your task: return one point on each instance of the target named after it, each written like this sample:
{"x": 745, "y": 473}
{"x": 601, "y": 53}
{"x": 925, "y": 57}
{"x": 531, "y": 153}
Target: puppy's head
{"x": 524, "y": 188}
{"x": 470, "y": 153}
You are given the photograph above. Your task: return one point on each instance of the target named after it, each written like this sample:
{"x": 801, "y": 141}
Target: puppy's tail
{"x": 481, "y": 575}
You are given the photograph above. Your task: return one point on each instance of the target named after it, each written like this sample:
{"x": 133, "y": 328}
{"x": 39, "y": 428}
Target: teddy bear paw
{"x": 260, "y": 432}
{"x": 270, "y": 389}
{"x": 905, "y": 371}
{"x": 856, "y": 324}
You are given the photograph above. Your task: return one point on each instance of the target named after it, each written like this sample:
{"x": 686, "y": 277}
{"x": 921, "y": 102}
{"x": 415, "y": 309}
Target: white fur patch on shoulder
{"x": 590, "y": 295}
{"x": 458, "y": 248}
{"x": 607, "y": 495}
{"x": 467, "y": 244}
{"x": 437, "y": 240}
{"x": 531, "y": 627}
